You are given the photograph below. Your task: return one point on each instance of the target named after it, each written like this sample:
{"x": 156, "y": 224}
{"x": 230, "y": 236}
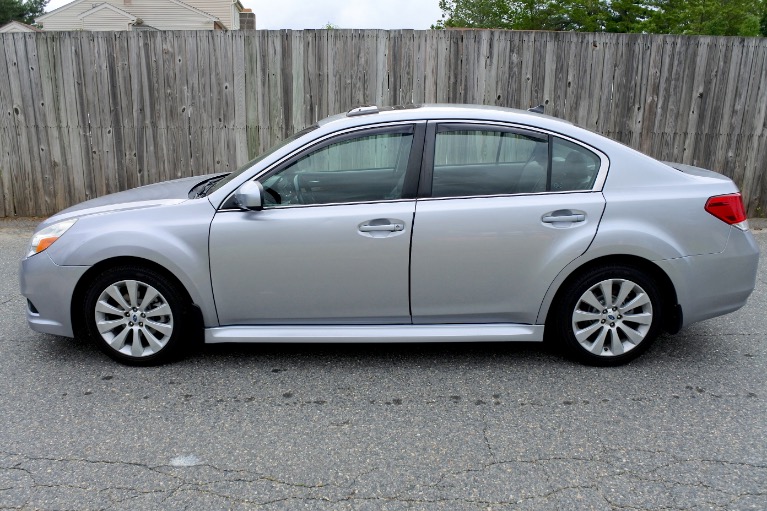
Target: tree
{"x": 763, "y": 22}
{"x": 533, "y": 14}
{"x": 628, "y": 16}
{"x": 708, "y": 17}
{"x": 23, "y": 11}
{"x": 474, "y": 14}
{"x": 581, "y": 15}
{"x": 576, "y": 15}
{"x": 510, "y": 14}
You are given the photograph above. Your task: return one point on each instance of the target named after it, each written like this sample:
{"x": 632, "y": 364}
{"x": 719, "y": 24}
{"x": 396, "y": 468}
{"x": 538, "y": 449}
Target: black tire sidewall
{"x": 174, "y": 298}
{"x": 566, "y": 305}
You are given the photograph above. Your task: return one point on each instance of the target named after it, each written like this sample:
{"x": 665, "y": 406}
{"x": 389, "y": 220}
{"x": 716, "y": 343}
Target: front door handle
{"x": 386, "y": 227}
{"x": 381, "y": 228}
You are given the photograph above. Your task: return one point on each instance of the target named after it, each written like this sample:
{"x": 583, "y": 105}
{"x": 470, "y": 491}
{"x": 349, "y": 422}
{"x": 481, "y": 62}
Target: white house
{"x": 17, "y": 26}
{"x": 144, "y": 14}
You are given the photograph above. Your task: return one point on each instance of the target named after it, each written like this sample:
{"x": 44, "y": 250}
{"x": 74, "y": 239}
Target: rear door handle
{"x": 551, "y": 219}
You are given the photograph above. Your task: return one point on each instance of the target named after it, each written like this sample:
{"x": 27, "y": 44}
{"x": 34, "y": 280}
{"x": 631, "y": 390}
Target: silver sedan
{"x": 412, "y": 224}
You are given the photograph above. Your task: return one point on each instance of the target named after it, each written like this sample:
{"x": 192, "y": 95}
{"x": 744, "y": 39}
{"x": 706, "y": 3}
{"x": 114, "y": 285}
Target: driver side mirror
{"x": 250, "y": 196}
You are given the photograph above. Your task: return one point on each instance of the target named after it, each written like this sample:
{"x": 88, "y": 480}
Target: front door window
{"x": 368, "y": 168}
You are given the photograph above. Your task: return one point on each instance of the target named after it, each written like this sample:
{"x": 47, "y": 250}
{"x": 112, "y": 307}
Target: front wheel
{"x": 609, "y": 315}
{"x": 135, "y": 315}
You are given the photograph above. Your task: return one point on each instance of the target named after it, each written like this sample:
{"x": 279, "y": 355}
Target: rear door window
{"x": 477, "y": 160}
{"x": 487, "y": 161}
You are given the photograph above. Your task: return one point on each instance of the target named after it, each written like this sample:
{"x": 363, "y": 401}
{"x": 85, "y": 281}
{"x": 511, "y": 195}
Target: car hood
{"x": 159, "y": 194}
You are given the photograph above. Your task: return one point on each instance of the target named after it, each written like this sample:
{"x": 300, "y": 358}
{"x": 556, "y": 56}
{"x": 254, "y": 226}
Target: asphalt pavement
{"x": 383, "y": 427}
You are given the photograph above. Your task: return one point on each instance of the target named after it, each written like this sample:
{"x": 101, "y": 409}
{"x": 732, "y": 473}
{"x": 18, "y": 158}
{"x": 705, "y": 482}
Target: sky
{"x": 298, "y": 14}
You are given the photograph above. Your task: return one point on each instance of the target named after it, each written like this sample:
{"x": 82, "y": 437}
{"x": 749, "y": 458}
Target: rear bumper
{"x": 715, "y": 284}
{"x": 48, "y": 288}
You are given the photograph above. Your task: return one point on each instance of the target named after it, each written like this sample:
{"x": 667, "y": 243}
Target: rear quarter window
{"x": 573, "y": 167}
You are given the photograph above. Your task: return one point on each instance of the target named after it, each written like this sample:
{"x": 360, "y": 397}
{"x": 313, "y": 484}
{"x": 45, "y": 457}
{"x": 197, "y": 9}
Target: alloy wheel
{"x": 134, "y": 318}
{"x": 612, "y": 317}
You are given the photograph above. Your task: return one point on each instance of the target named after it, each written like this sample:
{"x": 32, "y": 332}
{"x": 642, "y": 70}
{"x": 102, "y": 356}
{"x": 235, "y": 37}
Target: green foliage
{"x": 536, "y": 15}
{"x": 580, "y": 15}
{"x": 711, "y": 17}
{"x": 23, "y": 11}
{"x": 9, "y": 10}
{"x": 474, "y": 14}
{"x": 763, "y": 21}
{"x": 628, "y": 16}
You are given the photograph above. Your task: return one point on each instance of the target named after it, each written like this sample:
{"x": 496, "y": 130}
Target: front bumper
{"x": 712, "y": 285}
{"x": 49, "y": 287}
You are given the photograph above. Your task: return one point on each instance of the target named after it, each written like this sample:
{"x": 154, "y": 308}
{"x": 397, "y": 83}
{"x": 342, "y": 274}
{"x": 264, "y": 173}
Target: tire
{"x": 621, "y": 328}
{"x": 136, "y": 315}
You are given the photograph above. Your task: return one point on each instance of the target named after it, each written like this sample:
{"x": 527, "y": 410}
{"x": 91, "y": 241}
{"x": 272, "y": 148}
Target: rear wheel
{"x": 135, "y": 315}
{"x": 609, "y": 315}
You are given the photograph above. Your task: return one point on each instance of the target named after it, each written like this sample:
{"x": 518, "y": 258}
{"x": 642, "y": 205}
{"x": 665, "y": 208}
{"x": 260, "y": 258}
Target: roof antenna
{"x": 536, "y": 109}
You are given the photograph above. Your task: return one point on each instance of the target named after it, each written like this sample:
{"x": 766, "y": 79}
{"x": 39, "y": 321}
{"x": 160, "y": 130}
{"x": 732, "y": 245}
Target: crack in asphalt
{"x": 361, "y": 475}
{"x": 309, "y": 492}
{"x": 484, "y": 435}
{"x": 153, "y": 468}
{"x": 732, "y": 496}
{"x": 168, "y": 493}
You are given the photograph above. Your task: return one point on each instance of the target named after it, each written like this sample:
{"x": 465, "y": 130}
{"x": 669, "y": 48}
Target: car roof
{"x": 373, "y": 114}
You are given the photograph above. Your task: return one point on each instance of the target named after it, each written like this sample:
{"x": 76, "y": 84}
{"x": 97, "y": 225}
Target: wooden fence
{"x": 83, "y": 114}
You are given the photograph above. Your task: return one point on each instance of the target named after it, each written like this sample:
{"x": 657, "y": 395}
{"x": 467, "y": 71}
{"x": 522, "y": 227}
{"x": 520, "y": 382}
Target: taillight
{"x": 729, "y": 209}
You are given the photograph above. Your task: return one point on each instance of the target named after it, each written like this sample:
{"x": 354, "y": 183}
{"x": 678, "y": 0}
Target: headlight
{"x": 48, "y": 236}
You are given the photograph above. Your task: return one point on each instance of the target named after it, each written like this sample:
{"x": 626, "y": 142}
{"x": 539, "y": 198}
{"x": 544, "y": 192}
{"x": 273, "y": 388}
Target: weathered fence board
{"x": 88, "y": 113}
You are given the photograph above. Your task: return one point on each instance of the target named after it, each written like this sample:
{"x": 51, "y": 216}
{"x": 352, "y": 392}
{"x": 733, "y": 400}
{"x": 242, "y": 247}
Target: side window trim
{"x": 444, "y": 127}
{"x": 413, "y": 172}
{"x": 549, "y": 162}
{"x": 427, "y": 162}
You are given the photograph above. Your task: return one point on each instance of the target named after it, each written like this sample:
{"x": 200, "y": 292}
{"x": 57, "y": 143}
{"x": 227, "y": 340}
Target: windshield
{"x": 260, "y": 157}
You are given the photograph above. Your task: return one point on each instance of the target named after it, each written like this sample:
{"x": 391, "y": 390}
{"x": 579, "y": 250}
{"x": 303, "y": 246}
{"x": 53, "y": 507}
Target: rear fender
{"x": 643, "y": 243}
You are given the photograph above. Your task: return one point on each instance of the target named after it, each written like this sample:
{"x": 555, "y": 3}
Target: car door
{"x": 501, "y": 211}
{"x": 332, "y": 243}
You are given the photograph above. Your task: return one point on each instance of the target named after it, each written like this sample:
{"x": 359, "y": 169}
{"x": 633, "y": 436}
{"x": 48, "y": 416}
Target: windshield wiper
{"x": 206, "y": 186}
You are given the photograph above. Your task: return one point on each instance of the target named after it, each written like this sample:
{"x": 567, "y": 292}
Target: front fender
{"x": 174, "y": 237}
